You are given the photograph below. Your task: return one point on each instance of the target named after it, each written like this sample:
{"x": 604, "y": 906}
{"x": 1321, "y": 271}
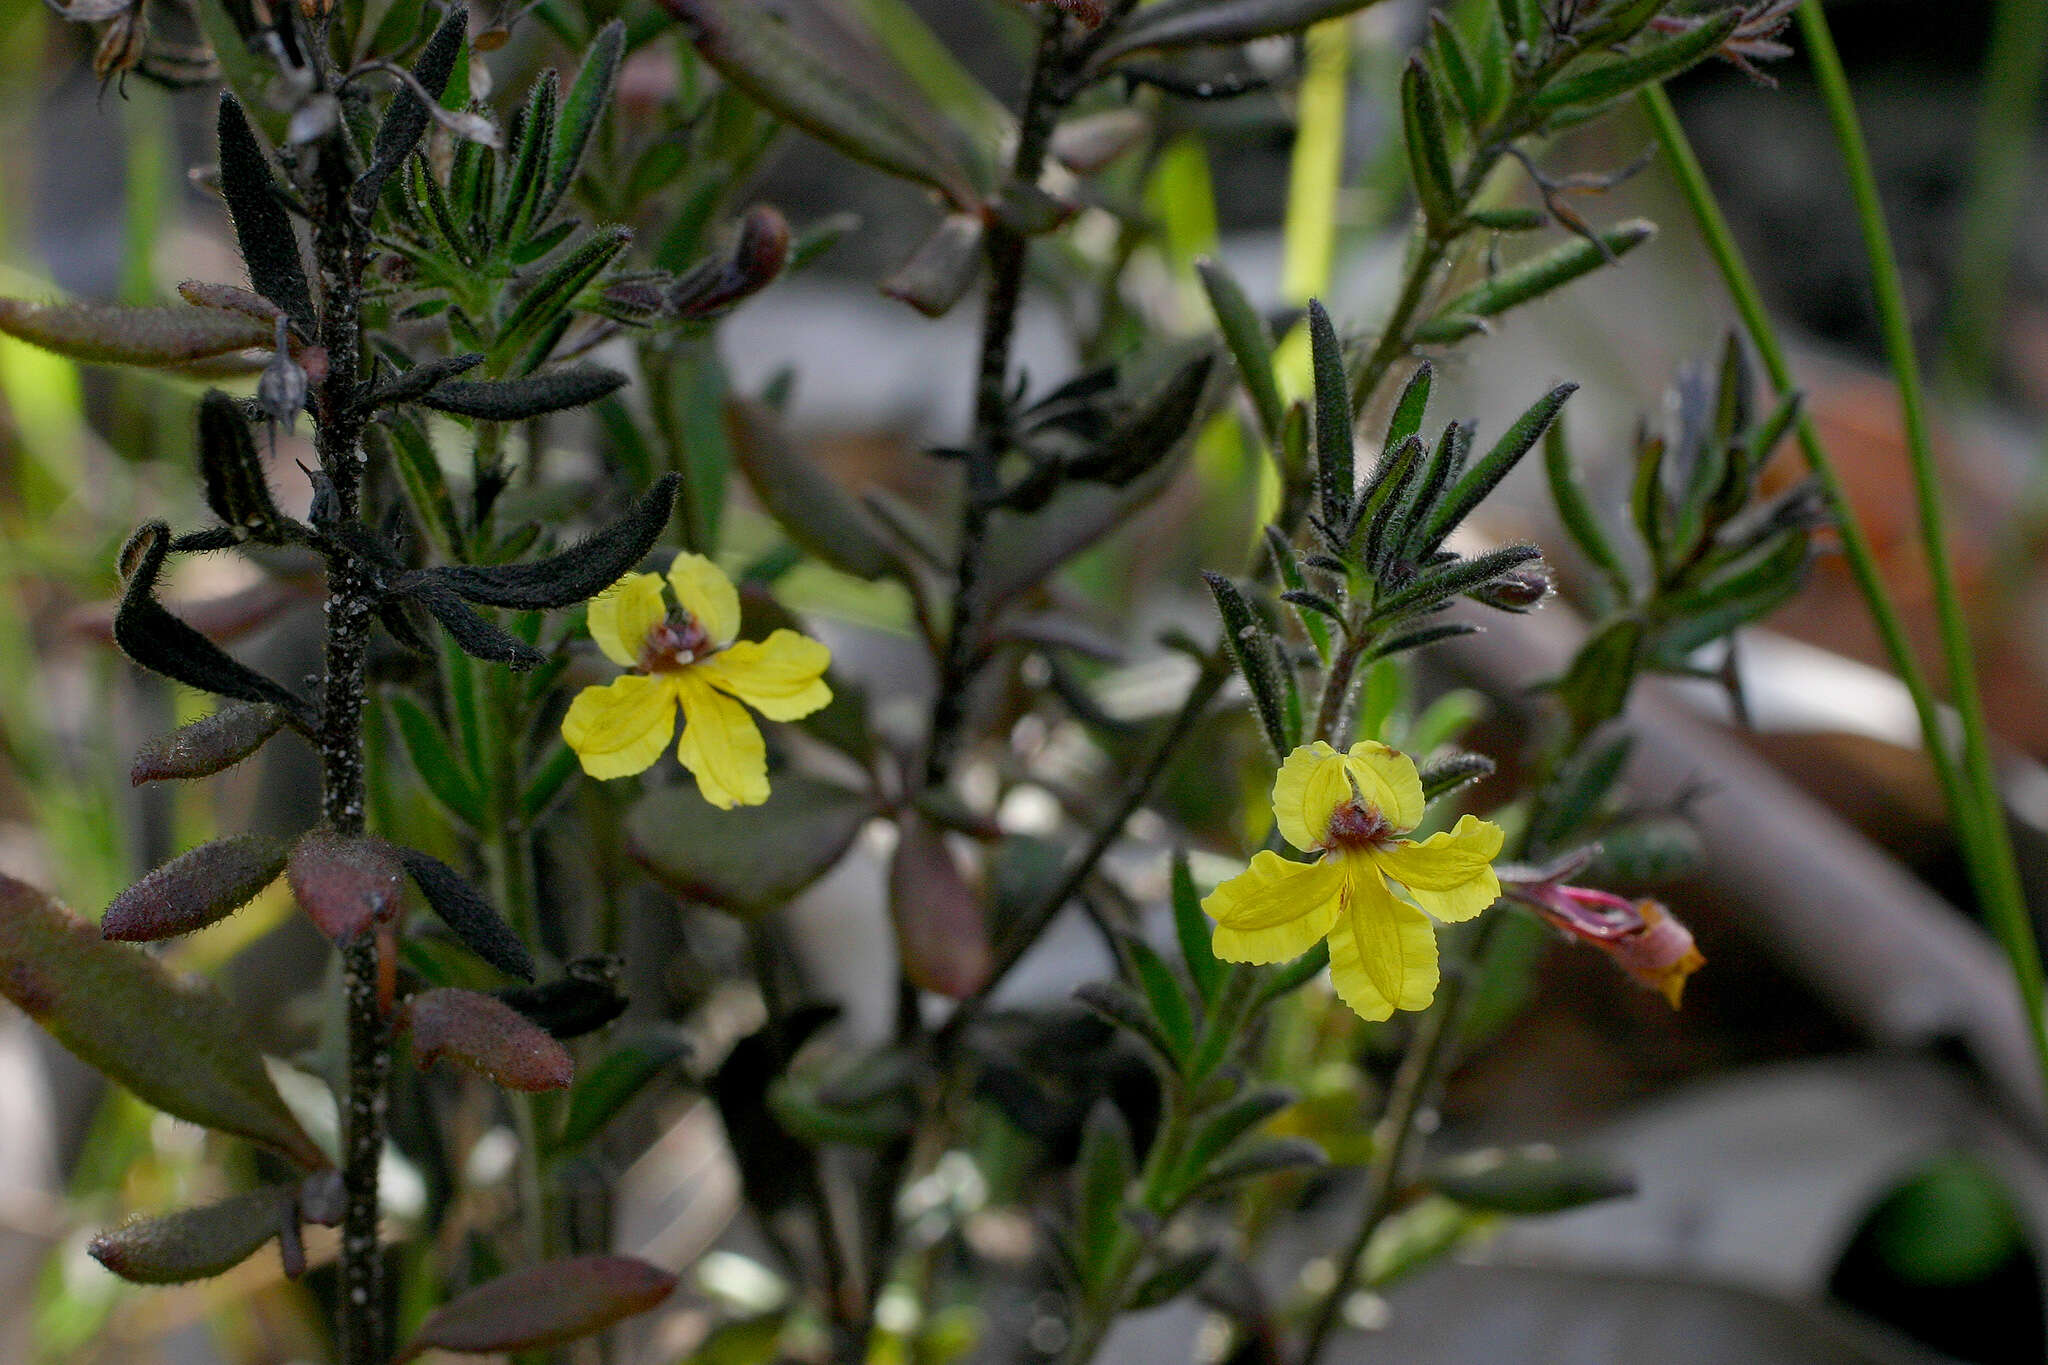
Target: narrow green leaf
{"x": 109, "y": 334}
{"x": 435, "y": 760}
{"x": 603, "y": 1091}
{"x": 1336, "y": 477}
{"x": 812, "y": 509}
{"x": 1429, "y": 153}
{"x": 1539, "y": 275}
{"x": 1598, "y": 82}
{"x": 1251, "y": 345}
{"x": 527, "y": 335}
{"x": 1252, "y": 650}
{"x": 1528, "y": 1181}
{"x": 1191, "y": 927}
{"x": 1581, "y": 522}
{"x": 582, "y": 107}
{"x": 1172, "y": 24}
{"x": 1163, "y": 993}
{"x": 1106, "y": 1164}
{"x": 1459, "y": 76}
{"x": 1483, "y": 477}
{"x": 1288, "y": 569}
{"x": 1410, "y": 407}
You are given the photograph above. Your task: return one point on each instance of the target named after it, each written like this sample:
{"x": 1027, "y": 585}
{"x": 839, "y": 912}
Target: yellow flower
{"x": 1353, "y": 808}
{"x": 686, "y": 656}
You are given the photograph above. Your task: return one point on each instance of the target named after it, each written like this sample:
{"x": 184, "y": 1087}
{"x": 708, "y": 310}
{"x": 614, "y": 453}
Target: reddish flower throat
{"x": 1356, "y": 826}
{"x": 674, "y": 644}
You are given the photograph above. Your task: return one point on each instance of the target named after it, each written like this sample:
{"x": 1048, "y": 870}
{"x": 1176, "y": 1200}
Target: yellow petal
{"x": 1382, "y": 953}
{"x": 1309, "y": 786}
{"x": 1449, "y": 874}
{"x": 620, "y": 729}
{"x": 1389, "y": 780}
{"x": 1274, "y": 909}
{"x": 1316, "y": 779}
{"x": 721, "y": 745}
{"x": 622, "y": 614}
{"x": 781, "y": 677}
{"x": 708, "y": 595}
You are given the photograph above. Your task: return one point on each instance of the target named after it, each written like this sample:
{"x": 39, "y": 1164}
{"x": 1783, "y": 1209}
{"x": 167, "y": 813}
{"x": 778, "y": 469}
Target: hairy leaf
{"x": 1336, "y": 479}
{"x": 196, "y": 888}
{"x": 490, "y": 1037}
{"x": 263, "y": 230}
{"x": 175, "y": 1041}
{"x": 110, "y": 334}
{"x": 464, "y": 910}
{"x": 208, "y": 745}
{"x": 533, "y": 395}
{"x": 405, "y": 121}
{"x": 573, "y": 575}
{"x": 196, "y": 1244}
{"x": 345, "y": 885}
{"x": 236, "y": 489}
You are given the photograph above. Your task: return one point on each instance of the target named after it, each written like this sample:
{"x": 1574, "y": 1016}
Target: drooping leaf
{"x": 807, "y": 88}
{"x": 585, "y": 998}
{"x": 263, "y": 230}
{"x": 236, "y": 489}
{"x": 464, "y": 910}
{"x": 811, "y": 508}
{"x": 110, "y": 334}
{"x": 573, "y": 575}
{"x": 490, "y": 1037}
{"x": 474, "y": 635}
{"x": 174, "y": 1041}
{"x": 199, "y": 1243}
{"x": 542, "y": 1305}
{"x": 409, "y": 386}
{"x": 751, "y": 858}
{"x": 196, "y": 888}
{"x": 208, "y": 745}
{"x": 162, "y": 643}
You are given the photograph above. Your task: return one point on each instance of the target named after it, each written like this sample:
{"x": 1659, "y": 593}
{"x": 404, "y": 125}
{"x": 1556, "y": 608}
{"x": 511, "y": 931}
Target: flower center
{"x": 1355, "y": 825}
{"x": 673, "y": 645}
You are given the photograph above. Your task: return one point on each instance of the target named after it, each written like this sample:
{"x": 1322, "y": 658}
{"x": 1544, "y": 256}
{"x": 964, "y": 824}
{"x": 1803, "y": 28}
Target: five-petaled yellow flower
{"x": 686, "y": 656}
{"x": 1353, "y": 808}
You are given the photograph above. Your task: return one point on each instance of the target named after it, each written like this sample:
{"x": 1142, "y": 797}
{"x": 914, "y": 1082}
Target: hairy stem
{"x": 339, "y": 243}
{"x": 1007, "y": 250}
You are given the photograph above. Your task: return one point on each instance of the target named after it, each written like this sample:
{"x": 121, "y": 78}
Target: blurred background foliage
{"x": 1810, "y": 1138}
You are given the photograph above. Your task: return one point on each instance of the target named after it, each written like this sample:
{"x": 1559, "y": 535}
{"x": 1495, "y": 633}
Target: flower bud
{"x": 1642, "y": 937}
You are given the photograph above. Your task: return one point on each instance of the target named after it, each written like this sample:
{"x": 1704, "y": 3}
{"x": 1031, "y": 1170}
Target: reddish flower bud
{"x": 1642, "y": 937}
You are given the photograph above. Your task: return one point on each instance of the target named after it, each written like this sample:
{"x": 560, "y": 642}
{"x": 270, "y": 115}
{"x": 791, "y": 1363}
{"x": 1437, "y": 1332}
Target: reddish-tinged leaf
{"x": 345, "y": 885}
{"x": 196, "y": 888}
{"x": 543, "y": 1305}
{"x": 195, "y": 1244}
{"x": 208, "y": 745}
{"x": 109, "y": 334}
{"x": 487, "y": 1035}
{"x": 174, "y": 1041}
{"x": 941, "y": 932}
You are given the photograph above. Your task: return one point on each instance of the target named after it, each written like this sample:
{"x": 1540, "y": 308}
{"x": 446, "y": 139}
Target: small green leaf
{"x": 1485, "y": 475}
{"x": 582, "y": 108}
{"x": 263, "y": 229}
{"x": 1583, "y": 783}
{"x": 435, "y": 760}
{"x": 1608, "y": 79}
{"x": 1417, "y": 1235}
{"x": 1335, "y": 476}
{"x": 1429, "y": 155}
{"x": 1456, "y": 64}
{"x": 196, "y": 1244}
{"x": 1106, "y": 1165}
{"x": 1173, "y": 1277}
{"x": 1250, "y": 343}
{"x": 1252, "y": 649}
{"x": 1313, "y": 619}
{"x": 603, "y": 1091}
{"x": 1581, "y": 522}
{"x": 1163, "y": 995}
{"x": 1191, "y": 927}
{"x": 535, "y": 322}
{"x": 1539, "y": 275}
